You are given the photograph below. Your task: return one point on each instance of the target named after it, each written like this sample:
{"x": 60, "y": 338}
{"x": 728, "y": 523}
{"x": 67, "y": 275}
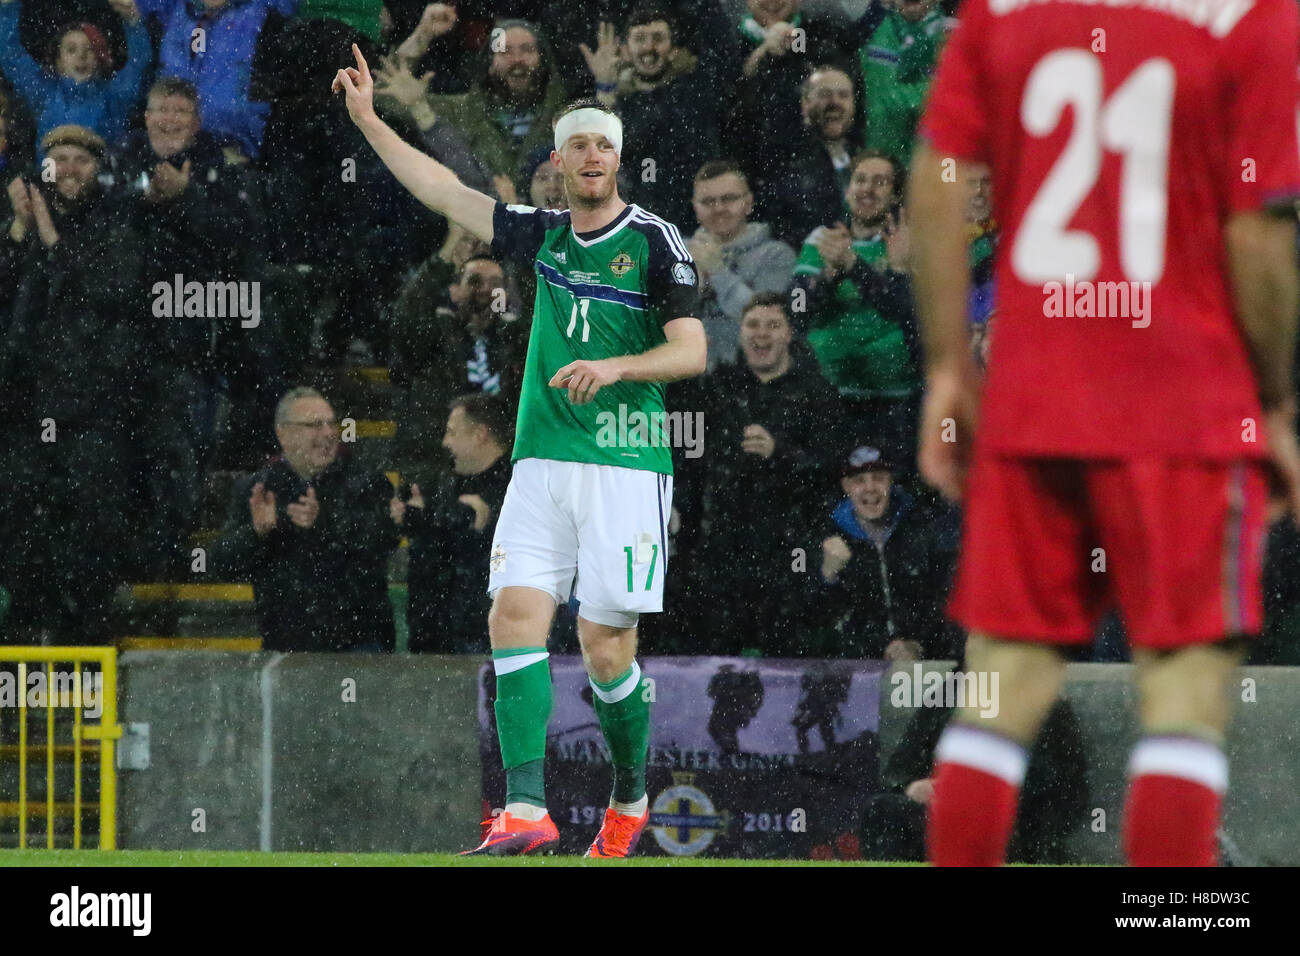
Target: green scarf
{"x": 751, "y": 31}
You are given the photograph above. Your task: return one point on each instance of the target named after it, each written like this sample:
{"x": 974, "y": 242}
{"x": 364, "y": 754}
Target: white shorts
{"x": 606, "y": 525}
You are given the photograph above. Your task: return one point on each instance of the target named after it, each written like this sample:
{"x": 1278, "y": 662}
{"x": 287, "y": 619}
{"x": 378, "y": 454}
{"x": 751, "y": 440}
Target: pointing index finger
{"x": 361, "y": 62}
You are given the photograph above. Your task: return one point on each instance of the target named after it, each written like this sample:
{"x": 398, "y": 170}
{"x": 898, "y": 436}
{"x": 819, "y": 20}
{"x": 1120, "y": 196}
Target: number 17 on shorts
{"x": 622, "y": 555}
{"x": 645, "y": 553}
{"x": 597, "y": 531}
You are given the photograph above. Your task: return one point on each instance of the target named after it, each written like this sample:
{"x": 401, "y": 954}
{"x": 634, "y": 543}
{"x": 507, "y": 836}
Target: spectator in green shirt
{"x": 897, "y": 63}
{"x": 507, "y": 115}
{"x": 859, "y": 313}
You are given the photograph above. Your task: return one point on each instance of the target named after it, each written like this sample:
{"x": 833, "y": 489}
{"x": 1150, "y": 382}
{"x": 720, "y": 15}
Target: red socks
{"x": 1176, "y": 787}
{"x": 978, "y": 774}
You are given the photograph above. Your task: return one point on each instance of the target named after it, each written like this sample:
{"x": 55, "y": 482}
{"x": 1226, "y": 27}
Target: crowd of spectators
{"x": 162, "y": 155}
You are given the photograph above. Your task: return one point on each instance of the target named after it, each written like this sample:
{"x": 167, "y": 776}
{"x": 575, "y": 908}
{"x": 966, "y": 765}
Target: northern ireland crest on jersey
{"x": 621, "y": 264}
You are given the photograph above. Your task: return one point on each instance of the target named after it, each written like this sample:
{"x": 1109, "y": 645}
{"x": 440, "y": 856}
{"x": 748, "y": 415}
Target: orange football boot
{"x": 618, "y": 834}
{"x": 509, "y": 835}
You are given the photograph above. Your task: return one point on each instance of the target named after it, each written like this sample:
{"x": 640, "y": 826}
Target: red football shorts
{"x": 1049, "y": 544}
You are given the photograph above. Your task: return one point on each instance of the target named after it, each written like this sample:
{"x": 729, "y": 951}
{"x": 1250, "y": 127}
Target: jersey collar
{"x": 605, "y": 231}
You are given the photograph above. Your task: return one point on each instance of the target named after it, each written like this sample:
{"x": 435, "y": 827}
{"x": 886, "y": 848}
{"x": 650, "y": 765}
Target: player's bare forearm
{"x": 427, "y": 179}
{"x": 684, "y": 355}
{"x": 430, "y": 181}
{"x": 936, "y": 211}
{"x": 1266, "y": 290}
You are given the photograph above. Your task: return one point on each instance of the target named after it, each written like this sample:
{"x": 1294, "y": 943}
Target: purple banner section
{"x": 749, "y": 758}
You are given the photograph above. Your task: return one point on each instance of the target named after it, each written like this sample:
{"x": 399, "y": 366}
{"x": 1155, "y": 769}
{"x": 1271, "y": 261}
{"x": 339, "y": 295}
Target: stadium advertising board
{"x": 748, "y": 758}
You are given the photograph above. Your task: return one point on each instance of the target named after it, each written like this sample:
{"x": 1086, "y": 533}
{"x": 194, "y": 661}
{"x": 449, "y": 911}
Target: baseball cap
{"x": 866, "y": 458}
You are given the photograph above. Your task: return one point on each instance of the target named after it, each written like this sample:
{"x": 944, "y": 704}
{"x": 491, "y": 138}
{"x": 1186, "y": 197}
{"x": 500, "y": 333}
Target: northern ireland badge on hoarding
{"x": 684, "y": 820}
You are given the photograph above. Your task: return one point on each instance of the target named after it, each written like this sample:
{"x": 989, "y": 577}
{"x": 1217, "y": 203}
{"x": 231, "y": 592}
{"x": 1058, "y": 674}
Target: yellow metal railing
{"x": 87, "y": 735}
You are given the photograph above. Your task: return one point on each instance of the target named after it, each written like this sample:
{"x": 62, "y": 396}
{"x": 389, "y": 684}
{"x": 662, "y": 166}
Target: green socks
{"x": 624, "y": 715}
{"x": 523, "y": 708}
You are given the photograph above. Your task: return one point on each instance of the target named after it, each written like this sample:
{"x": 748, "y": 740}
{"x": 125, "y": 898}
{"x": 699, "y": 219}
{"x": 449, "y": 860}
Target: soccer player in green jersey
{"x": 591, "y": 490}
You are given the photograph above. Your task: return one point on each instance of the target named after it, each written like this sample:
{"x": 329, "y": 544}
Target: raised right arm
{"x": 427, "y": 179}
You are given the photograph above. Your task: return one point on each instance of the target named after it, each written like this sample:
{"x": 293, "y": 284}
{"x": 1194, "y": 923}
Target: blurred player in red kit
{"x": 1139, "y": 396}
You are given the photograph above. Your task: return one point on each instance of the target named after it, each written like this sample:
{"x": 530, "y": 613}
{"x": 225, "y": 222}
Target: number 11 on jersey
{"x": 579, "y": 305}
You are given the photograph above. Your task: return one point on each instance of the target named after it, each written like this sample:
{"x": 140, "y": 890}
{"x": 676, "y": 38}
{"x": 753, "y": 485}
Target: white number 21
{"x": 1135, "y": 122}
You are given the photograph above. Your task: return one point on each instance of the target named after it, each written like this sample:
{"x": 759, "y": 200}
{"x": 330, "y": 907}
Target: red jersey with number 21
{"x": 1121, "y": 136}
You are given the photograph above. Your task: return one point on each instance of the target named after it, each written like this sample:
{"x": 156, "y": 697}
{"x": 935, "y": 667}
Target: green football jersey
{"x": 599, "y": 295}
{"x": 861, "y": 351}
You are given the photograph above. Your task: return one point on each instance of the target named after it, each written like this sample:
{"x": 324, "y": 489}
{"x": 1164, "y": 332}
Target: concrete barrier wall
{"x": 282, "y": 752}
{"x": 204, "y": 713}
{"x": 302, "y": 752}
{"x": 1262, "y": 812}
{"x": 1104, "y": 699}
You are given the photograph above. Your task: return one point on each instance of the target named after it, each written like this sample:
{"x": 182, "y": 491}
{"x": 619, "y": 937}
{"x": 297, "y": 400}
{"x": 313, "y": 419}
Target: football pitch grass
{"x": 83, "y": 858}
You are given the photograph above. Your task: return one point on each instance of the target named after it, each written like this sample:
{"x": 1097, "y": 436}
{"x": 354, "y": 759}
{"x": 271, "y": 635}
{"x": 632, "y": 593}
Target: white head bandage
{"x": 588, "y": 120}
